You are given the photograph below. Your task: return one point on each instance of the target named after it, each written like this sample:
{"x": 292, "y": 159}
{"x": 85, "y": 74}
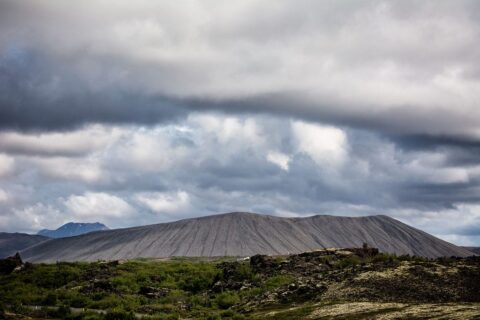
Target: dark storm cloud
{"x": 434, "y": 196}
{"x": 35, "y": 96}
{"x": 472, "y": 230}
{"x": 458, "y": 150}
{"x": 421, "y": 142}
{"x": 142, "y": 112}
{"x": 322, "y": 61}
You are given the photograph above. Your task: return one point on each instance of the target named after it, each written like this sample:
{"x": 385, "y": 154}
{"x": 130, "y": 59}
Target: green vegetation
{"x": 227, "y": 299}
{"x": 178, "y": 287}
{"x": 291, "y": 287}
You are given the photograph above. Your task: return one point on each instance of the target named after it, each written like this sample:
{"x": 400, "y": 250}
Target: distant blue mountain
{"x": 73, "y": 229}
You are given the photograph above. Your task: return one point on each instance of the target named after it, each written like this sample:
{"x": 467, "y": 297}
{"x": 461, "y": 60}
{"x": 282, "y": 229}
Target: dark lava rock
{"x": 364, "y": 252}
{"x": 229, "y": 269}
{"x": 8, "y": 265}
{"x": 263, "y": 264}
{"x": 153, "y": 292}
{"x": 302, "y": 289}
{"x": 98, "y": 285}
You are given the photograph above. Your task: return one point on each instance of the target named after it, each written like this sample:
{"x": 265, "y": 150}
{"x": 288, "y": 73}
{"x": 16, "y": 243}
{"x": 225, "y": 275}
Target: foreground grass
{"x": 117, "y": 289}
{"x": 295, "y": 287}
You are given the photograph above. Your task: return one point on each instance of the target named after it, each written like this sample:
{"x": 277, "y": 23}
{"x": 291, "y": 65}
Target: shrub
{"x": 384, "y": 257}
{"x": 195, "y": 283}
{"x": 119, "y": 315}
{"x": 18, "y": 308}
{"x": 154, "y": 309}
{"x": 88, "y": 315}
{"x": 2, "y": 311}
{"x": 227, "y": 299}
{"x": 50, "y": 299}
{"x": 55, "y": 276}
{"x": 78, "y": 302}
{"x": 350, "y": 261}
{"x": 63, "y": 311}
{"x": 173, "y": 316}
{"x": 231, "y": 314}
{"x": 200, "y": 300}
{"x": 244, "y": 272}
{"x": 278, "y": 281}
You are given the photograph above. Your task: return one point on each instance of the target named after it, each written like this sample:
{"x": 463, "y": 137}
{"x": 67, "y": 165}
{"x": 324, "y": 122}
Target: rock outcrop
{"x": 8, "y": 265}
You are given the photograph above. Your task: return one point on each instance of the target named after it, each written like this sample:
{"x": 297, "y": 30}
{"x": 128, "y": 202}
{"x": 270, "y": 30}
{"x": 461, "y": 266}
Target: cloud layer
{"x": 210, "y": 163}
{"x": 398, "y": 66}
{"x": 142, "y": 112}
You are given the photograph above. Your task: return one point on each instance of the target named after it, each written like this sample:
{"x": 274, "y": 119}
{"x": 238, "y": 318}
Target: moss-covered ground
{"x": 317, "y": 286}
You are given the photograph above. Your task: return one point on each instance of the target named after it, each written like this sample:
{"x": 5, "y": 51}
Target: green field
{"x": 336, "y": 285}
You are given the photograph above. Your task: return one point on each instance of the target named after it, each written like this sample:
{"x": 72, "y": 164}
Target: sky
{"x": 140, "y": 112}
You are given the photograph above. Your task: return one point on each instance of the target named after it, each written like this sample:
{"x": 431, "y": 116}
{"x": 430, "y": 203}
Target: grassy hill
{"x": 326, "y": 284}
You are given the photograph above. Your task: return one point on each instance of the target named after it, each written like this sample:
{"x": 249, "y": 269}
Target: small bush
{"x": 227, "y": 299}
{"x": 62, "y": 312}
{"x": 244, "y": 272}
{"x": 18, "y": 308}
{"x": 119, "y": 315}
{"x": 88, "y": 315}
{"x": 350, "y": 261}
{"x": 278, "y": 281}
{"x": 173, "y": 316}
{"x": 196, "y": 283}
{"x": 50, "y": 300}
{"x": 231, "y": 314}
{"x": 78, "y": 302}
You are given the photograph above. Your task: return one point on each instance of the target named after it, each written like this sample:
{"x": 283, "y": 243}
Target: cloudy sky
{"x": 138, "y": 112}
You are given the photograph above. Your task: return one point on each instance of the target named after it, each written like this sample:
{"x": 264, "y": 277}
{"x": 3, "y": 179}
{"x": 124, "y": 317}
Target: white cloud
{"x": 149, "y": 149}
{"x": 165, "y": 202}
{"x": 443, "y": 175}
{"x": 92, "y": 205}
{"x": 430, "y": 167}
{"x": 82, "y": 169}
{"x": 3, "y": 196}
{"x": 73, "y": 143}
{"x": 34, "y": 217}
{"x": 460, "y": 240}
{"x": 217, "y": 163}
{"x": 280, "y": 159}
{"x": 462, "y": 220}
{"x": 230, "y": 129}
{"x": 6, "y": 164}
{"x": 326, "y": 145}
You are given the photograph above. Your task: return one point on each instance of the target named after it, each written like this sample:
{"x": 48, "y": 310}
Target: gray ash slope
{"x": 475, "y": 250}
{"x": 243, "y": 234}
{"x": 10, "y": 243}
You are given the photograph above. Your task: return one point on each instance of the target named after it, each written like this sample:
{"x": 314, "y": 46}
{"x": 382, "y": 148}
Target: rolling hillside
{"x": 10, "y": 243}
{"x": 475, "y": 250}
{"x": 244, "y": 234}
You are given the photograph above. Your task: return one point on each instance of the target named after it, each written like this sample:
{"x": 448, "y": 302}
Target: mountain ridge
{"x": 10, "y": 243}
{"x": 244, "y": 234}
{"x": 71, "y": 229}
